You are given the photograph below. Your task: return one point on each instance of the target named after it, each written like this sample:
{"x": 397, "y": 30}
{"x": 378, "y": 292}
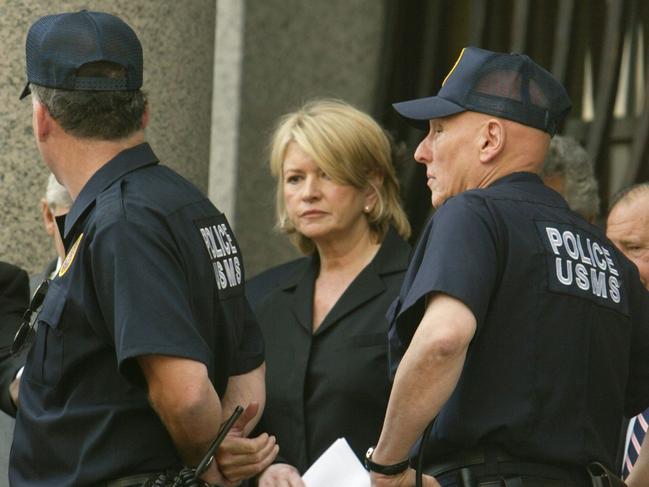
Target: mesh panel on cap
{"x": 515, "y": 89}
{"x": 58, "y": 45}
{"x": 121, "y": 45}
{"x": 512, "y": 85}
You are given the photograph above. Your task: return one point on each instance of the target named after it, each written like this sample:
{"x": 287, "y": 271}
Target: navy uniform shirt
{"x": 561, "y": 349}
{"x": 151, "y": 268}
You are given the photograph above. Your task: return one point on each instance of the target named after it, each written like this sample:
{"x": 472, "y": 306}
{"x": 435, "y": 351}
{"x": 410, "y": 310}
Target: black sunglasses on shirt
{"x": 27, "y": 327}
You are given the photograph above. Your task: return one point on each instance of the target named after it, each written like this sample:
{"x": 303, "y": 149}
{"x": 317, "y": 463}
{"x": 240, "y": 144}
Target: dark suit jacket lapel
{"x": 300, "y": 285}
{"x": 391, "y": 257}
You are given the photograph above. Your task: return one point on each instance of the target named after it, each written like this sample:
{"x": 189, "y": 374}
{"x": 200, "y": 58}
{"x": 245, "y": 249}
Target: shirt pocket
{"x": 47, "y": 352}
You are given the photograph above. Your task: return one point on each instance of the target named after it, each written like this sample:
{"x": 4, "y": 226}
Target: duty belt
{"x": 130, "y": 481}
{"x": 492, "y": 465}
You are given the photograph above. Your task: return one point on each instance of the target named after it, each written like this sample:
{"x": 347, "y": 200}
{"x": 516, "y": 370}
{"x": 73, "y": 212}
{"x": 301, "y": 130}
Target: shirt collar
{"x": 126, "y": 161}
{"x": 536, "y": 189}
{"x": 518, "y": 177}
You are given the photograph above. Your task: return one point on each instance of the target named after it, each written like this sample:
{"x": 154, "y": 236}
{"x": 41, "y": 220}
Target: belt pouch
{"x": 600, "y": 476}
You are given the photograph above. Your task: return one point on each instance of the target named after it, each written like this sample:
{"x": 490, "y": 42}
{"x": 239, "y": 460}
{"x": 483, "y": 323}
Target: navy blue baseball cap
{"x": 510, "y": 86}
{"x": 58, "y": 45}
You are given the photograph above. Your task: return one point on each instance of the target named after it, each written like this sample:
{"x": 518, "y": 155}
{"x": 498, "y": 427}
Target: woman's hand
{"x": 281, "y": 475}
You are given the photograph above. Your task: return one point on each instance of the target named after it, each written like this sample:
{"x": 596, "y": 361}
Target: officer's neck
{"x": 75, "y": 160}
{"x": 524, "y": 155}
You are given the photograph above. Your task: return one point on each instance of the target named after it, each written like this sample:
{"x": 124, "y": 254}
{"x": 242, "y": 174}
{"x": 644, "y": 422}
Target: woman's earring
{"x": 367, "y": 209}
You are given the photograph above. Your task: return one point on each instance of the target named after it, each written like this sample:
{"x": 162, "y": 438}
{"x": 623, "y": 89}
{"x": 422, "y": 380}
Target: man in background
{"x": 628, "y": 227}
{"x": 568, "y": 170}
{"x": 56, "y": 202}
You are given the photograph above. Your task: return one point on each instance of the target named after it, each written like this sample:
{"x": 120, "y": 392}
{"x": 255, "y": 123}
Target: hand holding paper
{"x": 337, "y": 466}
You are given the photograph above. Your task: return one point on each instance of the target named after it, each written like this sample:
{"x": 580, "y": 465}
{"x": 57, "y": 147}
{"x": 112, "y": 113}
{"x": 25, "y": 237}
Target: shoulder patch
{"x": 111, "y": 205}
{"x": 69, "y": 258}
{"x": 224, "y": 254}
{"x": 583, "y": 265}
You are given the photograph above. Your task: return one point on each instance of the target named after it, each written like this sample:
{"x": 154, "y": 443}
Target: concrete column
{"x": 292, "y": 51}
{"x": 226, "y": 106}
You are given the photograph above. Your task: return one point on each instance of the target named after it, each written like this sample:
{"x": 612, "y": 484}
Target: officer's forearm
{"x": 245, "y": 389}
{"x": 426, "y": 377}
{"x": 183, "y": 396}
{"x": 639, "y": 476}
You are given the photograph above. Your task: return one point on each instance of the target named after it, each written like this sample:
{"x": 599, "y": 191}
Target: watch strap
{"x": 394, "y": 469}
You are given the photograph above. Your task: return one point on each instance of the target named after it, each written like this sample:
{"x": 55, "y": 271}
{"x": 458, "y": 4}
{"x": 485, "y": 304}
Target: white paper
{"x": 339, "y": 467}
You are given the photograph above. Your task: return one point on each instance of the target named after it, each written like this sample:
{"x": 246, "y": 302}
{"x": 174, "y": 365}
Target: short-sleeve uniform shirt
{"x": 561, "y": 349}
{"x": 151, "y": 268}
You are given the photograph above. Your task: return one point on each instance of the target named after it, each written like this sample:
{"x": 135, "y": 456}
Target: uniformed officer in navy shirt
{"x": 145, "y": 341}
{"x": 520, "y": 328}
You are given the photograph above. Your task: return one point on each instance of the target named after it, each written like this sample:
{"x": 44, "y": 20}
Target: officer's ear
{"x": 492, "y": 140}
{"x": 41, "y": 119}
{"x": 145, "y": 116}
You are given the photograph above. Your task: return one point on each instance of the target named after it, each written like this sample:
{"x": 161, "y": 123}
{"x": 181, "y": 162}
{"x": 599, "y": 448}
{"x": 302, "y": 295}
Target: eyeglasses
{"x": 26, "y": 327}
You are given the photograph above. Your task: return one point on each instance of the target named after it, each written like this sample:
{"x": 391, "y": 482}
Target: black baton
{"x": 223, "y": 431}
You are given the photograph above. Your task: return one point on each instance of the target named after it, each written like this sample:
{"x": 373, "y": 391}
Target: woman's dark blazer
{"x": 334, "y": 383}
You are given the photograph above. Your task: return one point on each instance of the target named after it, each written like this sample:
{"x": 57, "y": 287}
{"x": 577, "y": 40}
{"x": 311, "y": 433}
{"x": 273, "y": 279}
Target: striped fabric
{"x": 635, "y": 441}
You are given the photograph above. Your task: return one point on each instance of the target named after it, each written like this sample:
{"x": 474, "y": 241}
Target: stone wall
{"x": 271, "y": 56}
{"x": 178, "y": 41}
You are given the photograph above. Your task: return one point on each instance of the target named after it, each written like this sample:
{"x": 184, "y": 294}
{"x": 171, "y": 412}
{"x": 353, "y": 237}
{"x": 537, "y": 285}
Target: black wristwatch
{"x": 393, "y": 469}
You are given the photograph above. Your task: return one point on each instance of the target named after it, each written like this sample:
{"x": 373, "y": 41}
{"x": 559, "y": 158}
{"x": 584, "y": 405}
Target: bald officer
{"x": 520, "y": 327}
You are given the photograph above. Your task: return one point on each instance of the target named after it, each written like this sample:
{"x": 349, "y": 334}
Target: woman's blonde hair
{"x": 351, "y": 148}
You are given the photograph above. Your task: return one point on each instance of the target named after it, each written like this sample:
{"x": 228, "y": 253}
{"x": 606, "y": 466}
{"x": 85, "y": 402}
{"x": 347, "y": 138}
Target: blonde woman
{"x": 323, "y": 316}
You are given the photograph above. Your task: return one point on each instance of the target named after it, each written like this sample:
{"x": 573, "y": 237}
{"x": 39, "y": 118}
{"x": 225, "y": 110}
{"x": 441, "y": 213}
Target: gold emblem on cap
{"x": 454, "y": 66}
{"x": 70, "y": 257}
